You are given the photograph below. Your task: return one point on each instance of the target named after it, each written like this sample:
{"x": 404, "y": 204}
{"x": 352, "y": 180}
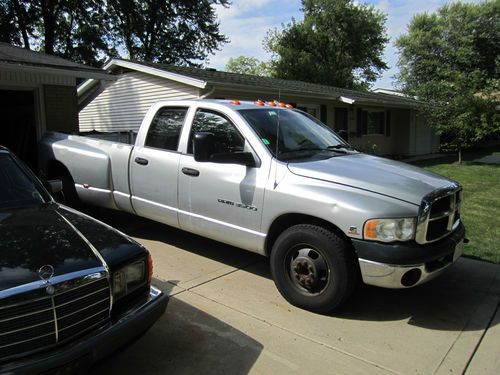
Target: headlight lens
{"x": 389, "y": 230}
{"x": 135, "y": 272}
{"x": 127, "y": 277}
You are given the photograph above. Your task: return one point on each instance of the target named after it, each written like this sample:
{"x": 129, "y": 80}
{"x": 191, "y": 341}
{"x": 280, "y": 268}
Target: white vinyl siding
{"x": 122, "y": 105}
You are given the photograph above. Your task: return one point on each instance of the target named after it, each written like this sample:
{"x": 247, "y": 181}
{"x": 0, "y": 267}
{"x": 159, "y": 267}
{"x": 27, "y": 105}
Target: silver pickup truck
{"x": 273, "y": 180}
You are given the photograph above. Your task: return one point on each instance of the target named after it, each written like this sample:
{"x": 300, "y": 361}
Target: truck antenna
{"x": 277, "y": 141}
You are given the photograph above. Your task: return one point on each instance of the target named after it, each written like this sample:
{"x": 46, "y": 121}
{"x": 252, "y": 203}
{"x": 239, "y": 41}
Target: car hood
{"x": 379, "y": 175}
{"x": 33, "y": 237}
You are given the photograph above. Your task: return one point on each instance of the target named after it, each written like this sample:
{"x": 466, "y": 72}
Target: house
{"x": 38, "y": 93}
{"x": 376, "y": 122}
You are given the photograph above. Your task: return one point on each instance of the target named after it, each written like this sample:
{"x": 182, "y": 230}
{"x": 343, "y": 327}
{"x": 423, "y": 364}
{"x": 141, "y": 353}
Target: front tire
{"x": 313, "y": 268}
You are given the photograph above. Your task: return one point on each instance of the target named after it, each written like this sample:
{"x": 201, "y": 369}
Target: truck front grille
{"x": 39, "y": 321}
{"x": 439, "y": 214}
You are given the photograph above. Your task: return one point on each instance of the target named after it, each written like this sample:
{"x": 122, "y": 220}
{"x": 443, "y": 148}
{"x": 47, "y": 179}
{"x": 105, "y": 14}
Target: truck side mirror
{"x": 203, "y": 146}
{"x": 54, "y": 186}
{"x": 342, "y": 134}
{"x": 203, "y": 151}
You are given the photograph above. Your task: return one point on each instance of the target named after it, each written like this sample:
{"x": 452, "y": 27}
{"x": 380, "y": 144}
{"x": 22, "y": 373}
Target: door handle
{"x": 191, "y": 172}
{"x": 141, "y": 161}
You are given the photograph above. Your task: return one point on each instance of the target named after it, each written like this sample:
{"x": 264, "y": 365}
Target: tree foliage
{"x": 175, "y": 31}
{"x": 339, "y": 43}
{"x": 77, "y": 30}
{"x": 248, "y": 65}
{"x": 450, "y": 59}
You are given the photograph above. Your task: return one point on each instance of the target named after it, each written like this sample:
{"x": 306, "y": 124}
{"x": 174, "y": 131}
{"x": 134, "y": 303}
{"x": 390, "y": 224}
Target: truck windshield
{"x": 16, "y": 188}
{"x": 292, "y": 134}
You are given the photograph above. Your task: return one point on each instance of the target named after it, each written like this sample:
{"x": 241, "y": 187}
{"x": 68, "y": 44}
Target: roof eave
{"x": 271, "y": 90}
{"x": 156, "y": 72}
{"x": 335, "y": 97}
{"x": 61, "y": 71}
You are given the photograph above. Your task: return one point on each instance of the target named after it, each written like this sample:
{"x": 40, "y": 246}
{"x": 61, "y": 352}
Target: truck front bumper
{"x": 78, "y": 356}
{"x": 407, "y": 264}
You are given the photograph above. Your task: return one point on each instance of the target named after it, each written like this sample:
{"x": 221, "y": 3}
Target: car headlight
{"x": 128, "y": 277}
{"x": 389, "y": 230}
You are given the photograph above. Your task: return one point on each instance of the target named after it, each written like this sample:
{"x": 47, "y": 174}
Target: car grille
{"x": 39, "y": 321}
{"x": 439, "y": 214}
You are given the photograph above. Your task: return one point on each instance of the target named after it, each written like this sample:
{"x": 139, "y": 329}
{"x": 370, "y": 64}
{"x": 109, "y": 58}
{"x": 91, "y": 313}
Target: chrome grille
{"x": 439, "y": 214}
{"x": 38, "y": 322}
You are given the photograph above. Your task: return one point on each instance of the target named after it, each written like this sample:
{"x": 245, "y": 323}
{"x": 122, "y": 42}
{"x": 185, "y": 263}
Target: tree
{"x": 248, "y": 65}
{"x": 68, "y": 28}
{"x": 450, "y": 59}
{"x": 339, "y": 43}
{"x": 173, "y": 32}
{"x": 176, "y": 31}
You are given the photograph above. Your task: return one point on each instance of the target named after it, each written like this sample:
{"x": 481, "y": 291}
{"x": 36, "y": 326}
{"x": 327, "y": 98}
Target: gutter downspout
{"x": 204, "y": 96}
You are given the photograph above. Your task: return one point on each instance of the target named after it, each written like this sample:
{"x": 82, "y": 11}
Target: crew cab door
{"x": 219, "y": 200}
{"x": 154, "y": 167}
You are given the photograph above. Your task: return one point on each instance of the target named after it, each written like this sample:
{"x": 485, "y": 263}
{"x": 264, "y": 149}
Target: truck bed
{"x": 90, "y": 161}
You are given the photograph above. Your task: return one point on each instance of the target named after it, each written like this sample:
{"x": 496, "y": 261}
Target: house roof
{"x": 16, "y": 58}
{"x": 203, "y": 78}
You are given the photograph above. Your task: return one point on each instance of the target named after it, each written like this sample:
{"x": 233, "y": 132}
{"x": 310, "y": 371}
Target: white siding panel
{"x": 123, "y": 104}
{"x": 12, "y": 77}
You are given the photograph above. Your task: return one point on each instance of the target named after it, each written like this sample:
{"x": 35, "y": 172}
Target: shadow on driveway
{"x": 452, "y": 302}
{"x": 185, "y": 341}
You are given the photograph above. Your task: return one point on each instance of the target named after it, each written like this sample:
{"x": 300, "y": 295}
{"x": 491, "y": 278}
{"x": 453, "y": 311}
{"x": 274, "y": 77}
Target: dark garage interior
{"x": 18, "y": 126}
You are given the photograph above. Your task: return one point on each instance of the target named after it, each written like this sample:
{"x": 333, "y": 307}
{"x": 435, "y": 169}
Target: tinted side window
{"x": 226, "y": 136}
{"x": 165, "y": 128}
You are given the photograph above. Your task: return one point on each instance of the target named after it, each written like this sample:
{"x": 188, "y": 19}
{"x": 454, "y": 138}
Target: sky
{"x": 246, "y": 22}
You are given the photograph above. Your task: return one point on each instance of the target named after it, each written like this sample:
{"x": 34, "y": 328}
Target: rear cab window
{"x": 165, "y": 129}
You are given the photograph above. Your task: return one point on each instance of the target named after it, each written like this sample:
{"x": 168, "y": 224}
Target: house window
{"x": 316, "y": 110}
{"x": 312, "y": 109}
{"x": 373, "y": 122}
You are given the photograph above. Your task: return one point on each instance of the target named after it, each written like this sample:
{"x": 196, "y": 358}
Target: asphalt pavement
{"x": 225, "y": 316}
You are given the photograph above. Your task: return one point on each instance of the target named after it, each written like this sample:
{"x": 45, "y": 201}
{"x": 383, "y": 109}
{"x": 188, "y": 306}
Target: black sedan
{"x": 72, "y": 289}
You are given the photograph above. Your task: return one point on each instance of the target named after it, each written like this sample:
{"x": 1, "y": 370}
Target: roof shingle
{"x": 215, "y": 77}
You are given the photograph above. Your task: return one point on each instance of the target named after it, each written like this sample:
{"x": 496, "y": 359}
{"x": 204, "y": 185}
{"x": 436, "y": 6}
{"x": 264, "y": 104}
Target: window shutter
{"x": 364, "y": 121}
{"x": 359, "y": 123}
{"x": 322, "y": 113}
{"x": 388, "y": 124}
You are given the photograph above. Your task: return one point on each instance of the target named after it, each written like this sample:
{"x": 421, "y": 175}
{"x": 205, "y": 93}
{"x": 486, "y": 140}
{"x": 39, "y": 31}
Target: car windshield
{"x": 16, "y": 188}
{"x": 293, "y": 134}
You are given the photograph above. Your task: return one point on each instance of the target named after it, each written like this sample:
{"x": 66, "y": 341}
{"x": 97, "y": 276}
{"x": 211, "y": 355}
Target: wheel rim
{"x": 308, "y": 270}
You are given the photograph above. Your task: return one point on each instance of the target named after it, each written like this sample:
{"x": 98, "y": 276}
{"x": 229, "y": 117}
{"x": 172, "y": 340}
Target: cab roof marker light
{"x": 259, "y": 102}
{"x": 235, "y": 102}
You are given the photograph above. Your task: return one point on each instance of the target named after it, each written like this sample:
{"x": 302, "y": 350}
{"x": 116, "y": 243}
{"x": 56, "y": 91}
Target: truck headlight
{"x": 128, "y": 277}
{"x": 389, "y": 230}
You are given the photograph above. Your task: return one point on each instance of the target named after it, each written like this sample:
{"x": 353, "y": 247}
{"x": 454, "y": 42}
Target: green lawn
{"x": 481, "y": 206}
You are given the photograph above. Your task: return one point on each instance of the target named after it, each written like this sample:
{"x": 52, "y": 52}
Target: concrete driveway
{"x": 225, "y": 316}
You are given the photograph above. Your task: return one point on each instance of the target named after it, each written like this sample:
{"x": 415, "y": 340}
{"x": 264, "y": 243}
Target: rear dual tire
{"x": 314, "y": 268}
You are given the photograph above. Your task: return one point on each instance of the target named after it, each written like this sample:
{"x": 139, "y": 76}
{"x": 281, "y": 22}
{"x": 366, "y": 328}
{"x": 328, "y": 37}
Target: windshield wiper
{"x": 307, "y": 152}
{"x": 341, "y": 148}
